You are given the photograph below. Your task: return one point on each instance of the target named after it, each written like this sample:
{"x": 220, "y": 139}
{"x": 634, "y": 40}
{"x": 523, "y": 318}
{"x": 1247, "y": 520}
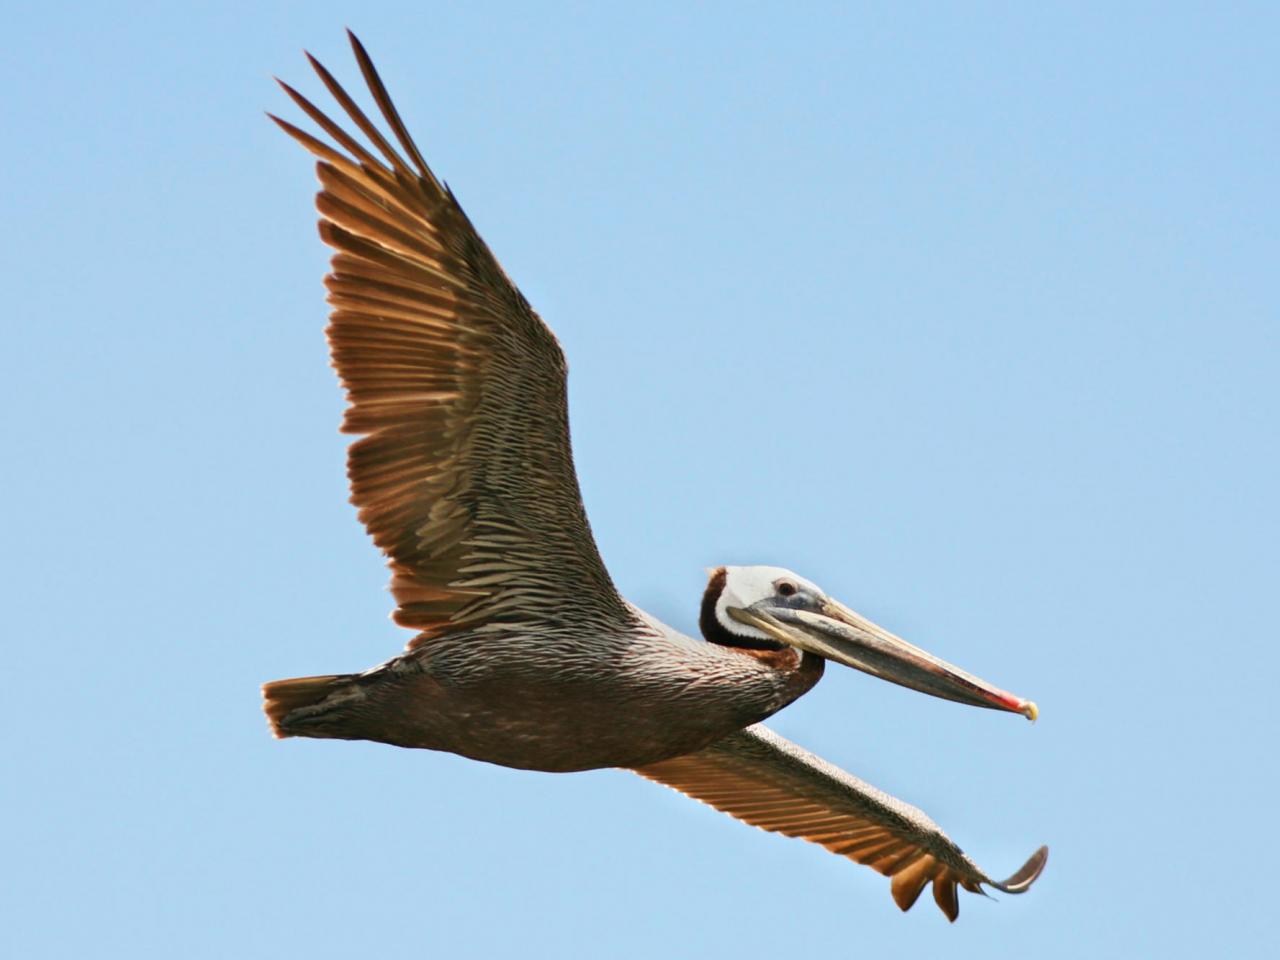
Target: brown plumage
{"x": 766, "y": 781}
{"x": 464, "y": 475}
{"x": 524, "y": 653}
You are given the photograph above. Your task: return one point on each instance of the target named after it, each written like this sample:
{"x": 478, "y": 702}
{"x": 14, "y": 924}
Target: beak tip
{"x": 1030, "y": 710}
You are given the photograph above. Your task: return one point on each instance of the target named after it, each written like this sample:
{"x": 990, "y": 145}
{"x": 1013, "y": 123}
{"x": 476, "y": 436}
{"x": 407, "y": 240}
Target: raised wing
{"x": 762, "y": 779}
{"x": 464, "y": 476}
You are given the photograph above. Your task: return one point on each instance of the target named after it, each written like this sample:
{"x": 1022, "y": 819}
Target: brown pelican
{"x": 525, "y": 654}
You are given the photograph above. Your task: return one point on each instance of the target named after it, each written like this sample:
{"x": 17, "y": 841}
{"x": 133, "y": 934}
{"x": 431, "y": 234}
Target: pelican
{"x": 524, "y": 653}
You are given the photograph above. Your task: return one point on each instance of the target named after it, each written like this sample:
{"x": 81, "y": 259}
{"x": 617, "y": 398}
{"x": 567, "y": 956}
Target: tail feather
{"x": 282, "y": 698}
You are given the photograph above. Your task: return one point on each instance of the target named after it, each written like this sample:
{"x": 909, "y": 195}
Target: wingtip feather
{"x": 1027, "y": 874}
{"x": 944, "y": 894}
{"x": 909, "y": 883}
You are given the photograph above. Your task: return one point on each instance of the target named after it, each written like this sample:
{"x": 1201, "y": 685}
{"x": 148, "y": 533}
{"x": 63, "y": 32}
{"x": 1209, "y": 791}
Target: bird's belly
{"x": 534, "y": 716}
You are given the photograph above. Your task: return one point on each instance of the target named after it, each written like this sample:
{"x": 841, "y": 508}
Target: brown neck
{"x": 715, "y": 631}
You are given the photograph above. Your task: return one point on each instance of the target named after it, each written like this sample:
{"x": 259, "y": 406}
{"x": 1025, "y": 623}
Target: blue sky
{"x": 967, "y": 313}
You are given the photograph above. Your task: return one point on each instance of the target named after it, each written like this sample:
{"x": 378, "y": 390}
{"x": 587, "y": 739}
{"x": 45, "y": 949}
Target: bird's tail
{"x": 310, "y": 706}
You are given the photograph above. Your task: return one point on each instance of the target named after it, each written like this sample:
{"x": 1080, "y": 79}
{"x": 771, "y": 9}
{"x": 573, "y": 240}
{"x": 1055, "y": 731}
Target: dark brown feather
{"x": 379, "y": 91}
{"x": 463, "y": 474}
{"x": 282, "y": 697}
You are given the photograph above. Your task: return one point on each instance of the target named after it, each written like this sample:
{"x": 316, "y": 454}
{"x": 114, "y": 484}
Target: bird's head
{"x": 771, "y": 608}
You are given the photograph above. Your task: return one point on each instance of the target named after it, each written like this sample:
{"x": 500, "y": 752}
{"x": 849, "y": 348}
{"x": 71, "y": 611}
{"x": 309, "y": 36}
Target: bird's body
{"x": 525, "y": 654}
{"x": 559, "y": 702}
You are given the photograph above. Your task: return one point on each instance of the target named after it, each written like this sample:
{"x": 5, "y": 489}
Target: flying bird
{"x": 524, "y": 652}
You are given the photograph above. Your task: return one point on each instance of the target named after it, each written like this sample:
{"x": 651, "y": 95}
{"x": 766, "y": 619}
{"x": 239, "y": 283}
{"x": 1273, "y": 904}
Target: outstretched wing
{"x": 762, "y": 779}
{"x": 464, "y": 476}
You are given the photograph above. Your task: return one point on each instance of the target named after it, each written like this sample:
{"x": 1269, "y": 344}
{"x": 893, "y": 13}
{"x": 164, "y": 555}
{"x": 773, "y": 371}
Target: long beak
{"x": 844, "y": 636}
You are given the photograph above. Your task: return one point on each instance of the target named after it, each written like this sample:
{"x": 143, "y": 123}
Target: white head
{"x": 746, "y": 586}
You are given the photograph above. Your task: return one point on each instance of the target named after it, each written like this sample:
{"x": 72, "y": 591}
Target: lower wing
{"x": 767, "y": 781}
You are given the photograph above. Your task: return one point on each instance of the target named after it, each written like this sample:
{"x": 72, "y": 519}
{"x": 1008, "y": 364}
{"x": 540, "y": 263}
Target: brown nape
{"x": 717, "y": 632}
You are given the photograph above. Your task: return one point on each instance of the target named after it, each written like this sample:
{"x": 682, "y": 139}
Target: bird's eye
{"x": 786, "y": 588}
